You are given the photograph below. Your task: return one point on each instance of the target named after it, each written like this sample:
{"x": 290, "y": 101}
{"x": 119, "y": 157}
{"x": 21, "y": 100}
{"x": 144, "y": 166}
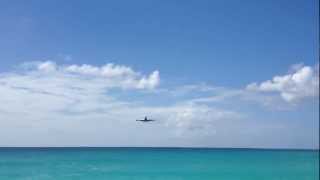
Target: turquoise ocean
{"x": 158, "y": 163}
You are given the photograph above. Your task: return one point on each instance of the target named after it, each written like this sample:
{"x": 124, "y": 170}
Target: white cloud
{"x": 47, "y": 66}
{"x": 303, "y": 82}
{"x": 114, "y": 75}
{"x": 55, "y": 105}
{"x": 76, "y": 100}
{"x": 109, "y": 70}
{"x": 150, "y": 82}
{"x": 200, "y": 118}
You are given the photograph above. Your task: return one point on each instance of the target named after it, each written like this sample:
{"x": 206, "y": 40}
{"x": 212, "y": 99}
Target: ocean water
{"x": 157, "y": 163}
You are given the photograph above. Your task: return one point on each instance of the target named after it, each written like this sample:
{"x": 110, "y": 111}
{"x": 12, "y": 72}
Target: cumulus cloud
{"x": 114, "y": 75}
{"x": 47, "y": 66}
{"x": 200, "y": 118}
{"x": 149, "y": 82}
{"x": 302, "y": 82}
{"x": 108, "y": 70}
{"x": 79, "y": 100}
{"x": 50, "y": 104}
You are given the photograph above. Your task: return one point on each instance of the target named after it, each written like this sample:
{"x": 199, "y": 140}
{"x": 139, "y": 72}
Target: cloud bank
{"x": 46, "y": 95}
{"x": 49, "y": 104}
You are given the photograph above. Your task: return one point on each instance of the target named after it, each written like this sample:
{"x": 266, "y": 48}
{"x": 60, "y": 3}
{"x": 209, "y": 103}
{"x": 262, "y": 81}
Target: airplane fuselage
{"x": 145, "y": 120}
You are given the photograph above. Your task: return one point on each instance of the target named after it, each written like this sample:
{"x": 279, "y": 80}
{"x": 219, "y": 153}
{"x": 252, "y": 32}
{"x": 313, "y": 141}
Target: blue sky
{"x": 214, "y": 58}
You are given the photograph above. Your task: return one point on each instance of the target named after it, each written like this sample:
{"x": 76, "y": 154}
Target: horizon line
{"x": 163, "y": 147}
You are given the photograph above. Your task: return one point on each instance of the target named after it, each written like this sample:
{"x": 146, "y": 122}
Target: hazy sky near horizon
{"x": 212, "y": 73}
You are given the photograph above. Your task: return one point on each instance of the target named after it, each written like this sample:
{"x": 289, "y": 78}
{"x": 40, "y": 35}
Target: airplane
{"x": 145, "y": 119}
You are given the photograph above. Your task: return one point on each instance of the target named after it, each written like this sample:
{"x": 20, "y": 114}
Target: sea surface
{"x": 158, "y": 163}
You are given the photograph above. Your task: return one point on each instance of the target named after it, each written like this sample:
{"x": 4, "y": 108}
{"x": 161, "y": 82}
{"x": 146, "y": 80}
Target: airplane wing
{"x": 142, "y": 120}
